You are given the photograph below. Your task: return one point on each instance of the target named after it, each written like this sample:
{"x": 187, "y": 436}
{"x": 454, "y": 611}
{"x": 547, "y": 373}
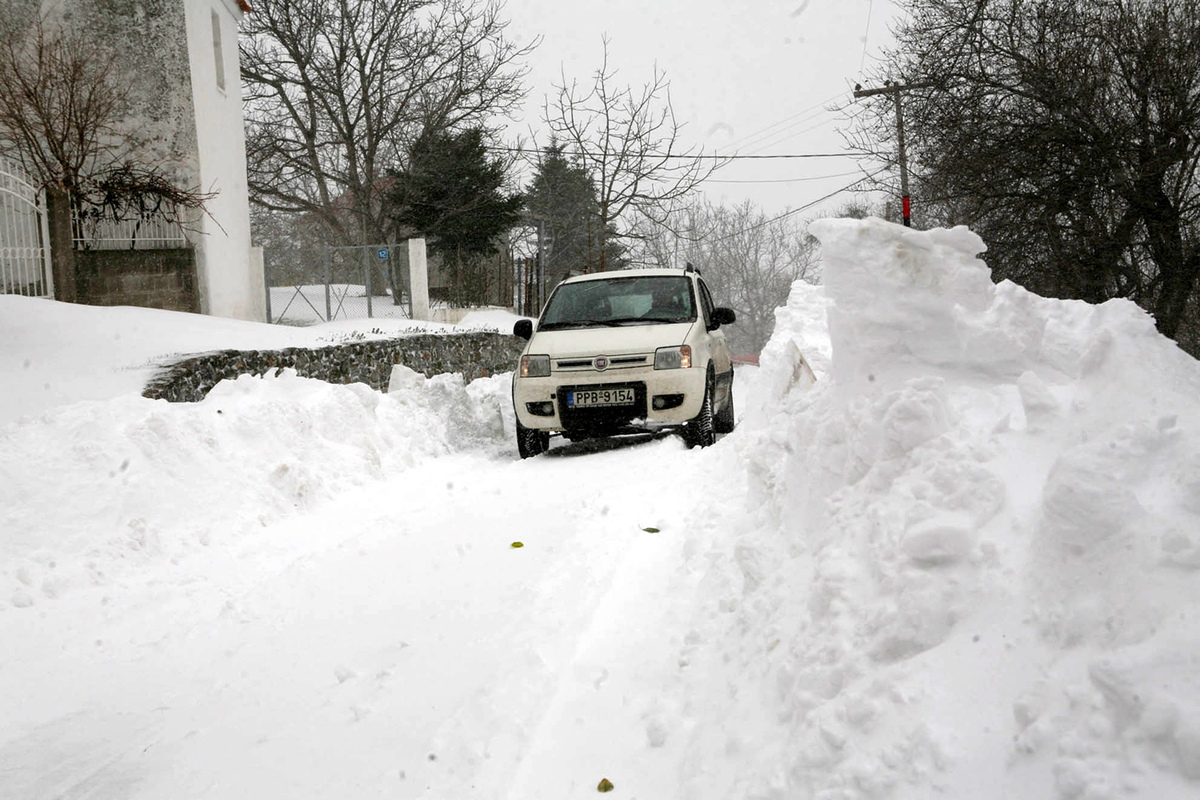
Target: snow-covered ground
{"x": 963, "y": 563}
{"x": 314, "y": 304}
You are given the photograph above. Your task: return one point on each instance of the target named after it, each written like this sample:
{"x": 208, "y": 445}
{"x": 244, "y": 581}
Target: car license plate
{"x": 587, "y": 398}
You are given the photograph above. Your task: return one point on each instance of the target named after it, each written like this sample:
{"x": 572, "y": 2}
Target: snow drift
{"x": 970, "y": 559}
{"x": 169, "y": 478}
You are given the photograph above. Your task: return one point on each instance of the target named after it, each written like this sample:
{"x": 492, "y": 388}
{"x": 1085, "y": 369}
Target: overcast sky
{"x": 752, "y": 76}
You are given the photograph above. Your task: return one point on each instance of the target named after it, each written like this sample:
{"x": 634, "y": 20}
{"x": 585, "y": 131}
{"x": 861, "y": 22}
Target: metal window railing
{"x": 154, "y": 233}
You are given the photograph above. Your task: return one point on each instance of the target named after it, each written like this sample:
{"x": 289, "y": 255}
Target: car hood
{"x": 608, "y": 341}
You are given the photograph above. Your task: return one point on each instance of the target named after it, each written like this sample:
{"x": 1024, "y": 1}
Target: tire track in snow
{"x": 600, "y": 693}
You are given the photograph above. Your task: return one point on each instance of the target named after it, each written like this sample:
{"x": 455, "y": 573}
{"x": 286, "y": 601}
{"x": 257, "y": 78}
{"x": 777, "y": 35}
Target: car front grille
{"x": 614, "y": 362}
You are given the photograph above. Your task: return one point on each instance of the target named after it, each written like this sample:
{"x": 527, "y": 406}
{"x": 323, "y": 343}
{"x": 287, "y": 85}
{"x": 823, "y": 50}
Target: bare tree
{"x": 629, "y": 142}
{"x": 338, "y": 90}
{"x": 62, "y": 105}
{"x": 749, "y": 260}
{"x": 1067, "y": 132}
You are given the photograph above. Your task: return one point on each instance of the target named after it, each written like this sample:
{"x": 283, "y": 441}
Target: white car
{"x": 625, "y": 352}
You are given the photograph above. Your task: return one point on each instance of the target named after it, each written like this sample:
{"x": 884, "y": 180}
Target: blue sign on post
{"x": 383, "y": 253}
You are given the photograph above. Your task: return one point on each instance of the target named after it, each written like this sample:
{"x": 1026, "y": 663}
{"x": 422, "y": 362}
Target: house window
{"x": 217, "y": 57}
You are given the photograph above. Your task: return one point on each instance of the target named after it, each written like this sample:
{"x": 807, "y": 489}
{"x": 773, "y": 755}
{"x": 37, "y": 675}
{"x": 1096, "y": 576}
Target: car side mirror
{"x": 523, "y": 329}
{"x": 723, "y": 316}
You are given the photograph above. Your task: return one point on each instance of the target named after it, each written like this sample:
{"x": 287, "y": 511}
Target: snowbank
{"x": 173, "y": 477}
{"x": 59, "y": 353}
{"x": 986, "y": 583}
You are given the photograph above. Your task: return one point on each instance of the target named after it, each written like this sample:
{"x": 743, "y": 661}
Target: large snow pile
{"x": 970, "y": 556}
{"x": 97, "y": 487}
{"x": 59, "y": 353}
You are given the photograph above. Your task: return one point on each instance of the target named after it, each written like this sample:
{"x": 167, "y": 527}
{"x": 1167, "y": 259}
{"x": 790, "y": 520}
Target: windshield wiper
{"x": 581, "y": 323}
{"x": 636, "y": 320}
{"x": 655, "y": 320}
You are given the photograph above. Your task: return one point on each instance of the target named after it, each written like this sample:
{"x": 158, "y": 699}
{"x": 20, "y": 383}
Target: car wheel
{"x": 699, "y": 432}
{"x": 723, "y": 422}
{"x": 531, "y": 442}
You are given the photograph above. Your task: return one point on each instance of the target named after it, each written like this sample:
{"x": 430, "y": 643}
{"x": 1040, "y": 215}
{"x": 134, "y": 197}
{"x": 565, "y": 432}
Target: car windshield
{"x": 617, "y": 301}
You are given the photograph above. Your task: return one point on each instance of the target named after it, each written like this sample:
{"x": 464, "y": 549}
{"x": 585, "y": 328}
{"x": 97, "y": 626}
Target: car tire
{"x": 723, "y": 422}
{"x": 699, "y": 431}
{"x": 531, "y": 442}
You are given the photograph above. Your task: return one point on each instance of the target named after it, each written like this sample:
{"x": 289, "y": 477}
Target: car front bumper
{"x": 684, "y": 386}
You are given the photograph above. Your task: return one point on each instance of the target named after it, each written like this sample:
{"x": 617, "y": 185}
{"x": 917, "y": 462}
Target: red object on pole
{"x": 907, "y": 212}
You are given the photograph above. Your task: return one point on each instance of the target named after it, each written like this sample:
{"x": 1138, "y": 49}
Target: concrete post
{"x": 418, "y": 279}
{"x": 328, "y": 280}
{"x": 259, "y": 287}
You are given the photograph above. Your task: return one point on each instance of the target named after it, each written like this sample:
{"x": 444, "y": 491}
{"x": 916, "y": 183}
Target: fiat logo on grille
{"x": 601, "y": 362}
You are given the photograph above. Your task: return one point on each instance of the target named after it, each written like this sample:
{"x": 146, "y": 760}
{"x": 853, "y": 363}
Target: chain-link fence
{"x": 307, "y": 285}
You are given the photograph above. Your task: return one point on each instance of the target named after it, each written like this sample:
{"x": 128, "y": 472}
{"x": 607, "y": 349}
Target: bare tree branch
{"x": 630, "y": 142}
{"x": 748, "y": 259}
{"x": 1067, "y": 132}
{"x": 338, "y": 90}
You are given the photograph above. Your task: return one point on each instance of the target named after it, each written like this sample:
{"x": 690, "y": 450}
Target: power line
{"x": 791, "y": 180}
{"x": 803, "y": 112}
{"x": 851, "y": 154}
{"x": 794, "y": 134}
{"x": 773, "y": 131}
{"x": 866, "y": 33}
{"x": 784, "y": 134}
{"x": 786, "y": 214}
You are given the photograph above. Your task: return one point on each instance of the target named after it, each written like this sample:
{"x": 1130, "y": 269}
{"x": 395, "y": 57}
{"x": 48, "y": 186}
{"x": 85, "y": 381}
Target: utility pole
{"x": 894, "y": 89}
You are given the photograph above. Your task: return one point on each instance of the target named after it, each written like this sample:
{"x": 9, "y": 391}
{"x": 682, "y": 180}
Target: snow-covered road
{"x": 392, "y": 643}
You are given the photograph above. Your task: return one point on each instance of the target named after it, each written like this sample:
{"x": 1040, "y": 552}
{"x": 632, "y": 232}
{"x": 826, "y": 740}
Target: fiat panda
{"x": 624, "y": 352}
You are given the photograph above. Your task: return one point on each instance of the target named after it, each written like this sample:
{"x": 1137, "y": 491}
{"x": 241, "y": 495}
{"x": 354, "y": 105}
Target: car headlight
{"x": 673, "y": 357}
{"x": 535, "y": 366}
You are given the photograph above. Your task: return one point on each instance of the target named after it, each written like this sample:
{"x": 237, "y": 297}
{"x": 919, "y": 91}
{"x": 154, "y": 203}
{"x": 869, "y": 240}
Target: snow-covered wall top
{"x": 472, "y": 355}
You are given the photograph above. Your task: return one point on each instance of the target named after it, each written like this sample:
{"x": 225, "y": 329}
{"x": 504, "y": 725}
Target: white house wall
{"x": 229, "y": 285}
{"x": 182, "y": 121}
{"x": 147, "y": 38}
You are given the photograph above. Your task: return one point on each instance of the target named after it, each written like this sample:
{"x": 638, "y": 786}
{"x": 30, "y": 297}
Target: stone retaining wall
{"x": 474, "y": 354}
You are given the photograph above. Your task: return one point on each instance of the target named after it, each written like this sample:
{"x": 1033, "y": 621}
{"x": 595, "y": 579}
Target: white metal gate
{"x": 24, "y": 236}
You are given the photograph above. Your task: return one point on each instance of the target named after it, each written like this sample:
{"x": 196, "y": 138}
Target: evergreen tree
{"x": 562, "y": 198}
{"x": 453, "y": 195}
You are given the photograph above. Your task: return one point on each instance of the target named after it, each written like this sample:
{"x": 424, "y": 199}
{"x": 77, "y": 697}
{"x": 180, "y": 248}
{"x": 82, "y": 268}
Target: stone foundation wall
{"x": 474, "y": 354}
{"x": 148, "y": 278}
